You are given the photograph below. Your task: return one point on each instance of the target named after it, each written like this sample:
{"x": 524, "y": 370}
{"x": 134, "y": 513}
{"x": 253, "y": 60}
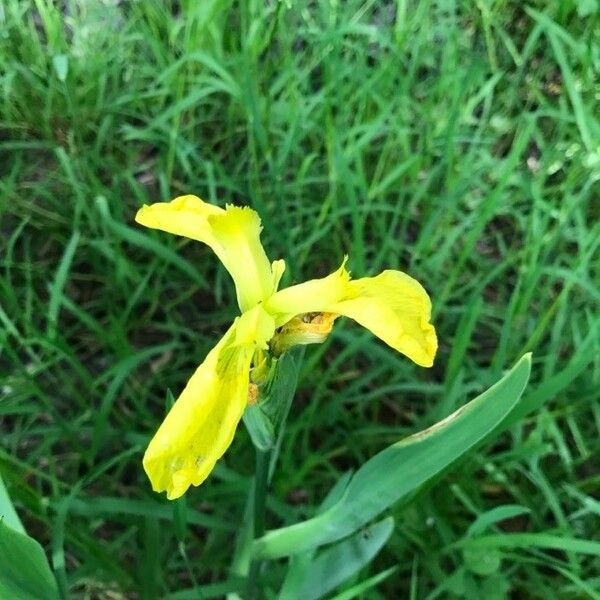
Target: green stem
{"x": 261, "y": 483}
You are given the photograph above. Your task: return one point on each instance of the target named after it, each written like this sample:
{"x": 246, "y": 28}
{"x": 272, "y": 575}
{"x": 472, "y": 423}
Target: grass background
{"x": 455, "y": 140}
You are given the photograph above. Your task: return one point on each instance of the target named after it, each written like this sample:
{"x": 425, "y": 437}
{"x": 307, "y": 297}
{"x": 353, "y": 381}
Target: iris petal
{"x": 238, "y": 231}
{"x": 201, "y": 424}
{"x": 397, "y": 309}
{"x": 393, "y": 305}
{"x": 233, "y": 233}
{"x": 311, "y": 296}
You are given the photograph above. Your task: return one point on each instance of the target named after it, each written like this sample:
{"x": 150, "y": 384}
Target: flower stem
{"x": 261, "y": 484}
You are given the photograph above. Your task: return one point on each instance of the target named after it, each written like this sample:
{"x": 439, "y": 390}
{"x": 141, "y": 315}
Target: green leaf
{"x": 137, "y": 238}
{"x": 8, "y": 514}
{"x": 60, "y": 280}
{"x": 495, "y": 587}
{"x": 400, "y": 469}
{"x": 24, "y": 570}
{"x": 316, "y": 577}
{"x": 527, "y": 541}
{"x": 585, "y": 8}
{"x": 280, "y": 390}
{"x": 265, "y": 419}
{"x": 499, "y": 513}
{"x": 554, "y": 385}
{"x": 259, "y": 427}
{"x": 210, "y": 590}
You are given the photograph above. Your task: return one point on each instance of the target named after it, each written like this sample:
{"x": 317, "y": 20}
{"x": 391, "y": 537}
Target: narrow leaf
{"x": 363, "y": 586}
{"x": 60, "y": 280}
{"x": 534, "y": 540}
{"x": 490, "y": 517}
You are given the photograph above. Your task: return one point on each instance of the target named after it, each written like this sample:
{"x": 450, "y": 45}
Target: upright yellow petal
{"x": 238, "y": 231}
{"x": 233, "y": 233}
{"x": 394, "y": 306}
{"x": 278, "y": 268}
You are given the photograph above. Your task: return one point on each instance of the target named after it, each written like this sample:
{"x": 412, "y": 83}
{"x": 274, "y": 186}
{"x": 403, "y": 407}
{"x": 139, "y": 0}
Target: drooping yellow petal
{"x": 233, "y": 233}
{"x": 200, "y": 426}
{"x": 393, "y": 305}
{"x": 397, "y": 309}
{"x": 201, "y": 423}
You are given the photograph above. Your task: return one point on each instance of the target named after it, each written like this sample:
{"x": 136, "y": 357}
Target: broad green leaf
{"x": 259, "y": 427}
{"x": 300, "y": 564}
{"x": 8, "y": 514}
{"x": 336, "y": 564}
{"x": 281, "y": 388}
{"x": 336, "y": 493}
{"x": 401, "y": 468}
{"x": 24, "y": 570}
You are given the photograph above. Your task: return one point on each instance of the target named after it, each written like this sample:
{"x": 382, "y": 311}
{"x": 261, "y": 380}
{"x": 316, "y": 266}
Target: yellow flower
{"x": 201, "y": 424}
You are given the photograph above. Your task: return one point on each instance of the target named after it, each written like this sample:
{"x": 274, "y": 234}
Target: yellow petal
{"x": 311, "y": 296}
{"x": 397, "y": 309}
{"x": 185, "y": 215}
{"x": 278, "y": 268}
{"x": 254, "y": 328}
{"x": 201, "y": 424}
{"x": 233, "y": 233}
{"x": 394, "y": 306}
{"x": 238, "y": 232}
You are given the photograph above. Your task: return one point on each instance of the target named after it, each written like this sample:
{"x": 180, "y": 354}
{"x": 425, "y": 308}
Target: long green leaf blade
{"x": 24, "y": 570}
{"x": 336, "y": 564}
{"x": 401, "y": 468}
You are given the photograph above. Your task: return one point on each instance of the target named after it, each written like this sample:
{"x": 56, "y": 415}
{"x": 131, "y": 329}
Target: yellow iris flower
{"x": 201, "y": 424}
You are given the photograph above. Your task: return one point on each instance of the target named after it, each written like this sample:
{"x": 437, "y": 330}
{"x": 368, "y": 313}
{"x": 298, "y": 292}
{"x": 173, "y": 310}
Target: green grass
{"x": 458, "y": 141}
